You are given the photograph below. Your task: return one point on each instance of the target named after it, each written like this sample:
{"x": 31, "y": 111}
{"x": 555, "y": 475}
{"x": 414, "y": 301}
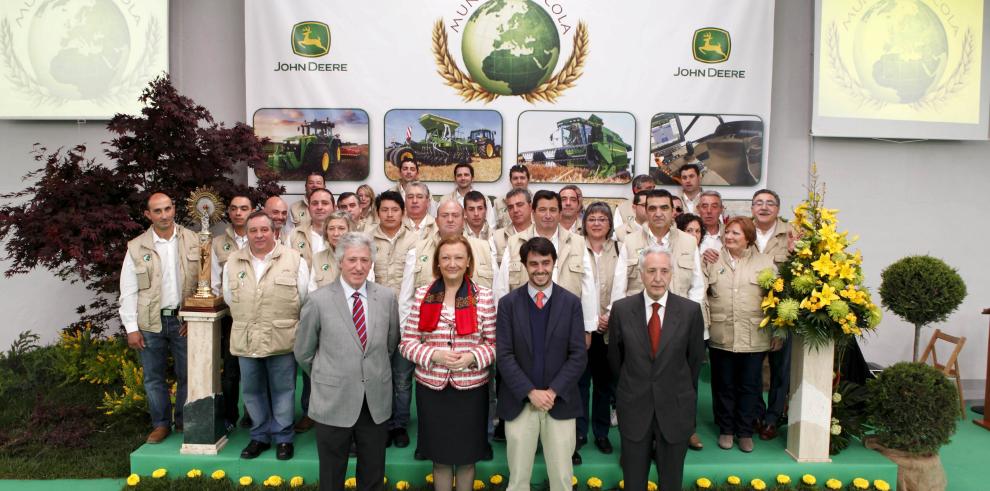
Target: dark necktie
{"x": 357, "y": 313}
{"x": 654, "y": 328}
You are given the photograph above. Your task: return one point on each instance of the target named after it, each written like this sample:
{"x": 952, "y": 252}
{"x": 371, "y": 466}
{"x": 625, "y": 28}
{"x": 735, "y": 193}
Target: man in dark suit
{"x": 347, "y": 333}
{"x": 540, "y": 353}
{"x": 656, "y": 345}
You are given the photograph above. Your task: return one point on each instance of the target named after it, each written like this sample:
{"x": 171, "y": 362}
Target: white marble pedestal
{"x": 204, "y": 432}
{"x": 810, "y": 414}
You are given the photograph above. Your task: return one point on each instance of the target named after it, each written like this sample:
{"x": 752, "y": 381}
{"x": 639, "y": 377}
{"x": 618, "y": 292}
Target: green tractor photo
{"x": 584, "y": 143}
{"x": 442, "y": 144}
{"x": 484, "y": 144}
{"x": 314, "y": 149}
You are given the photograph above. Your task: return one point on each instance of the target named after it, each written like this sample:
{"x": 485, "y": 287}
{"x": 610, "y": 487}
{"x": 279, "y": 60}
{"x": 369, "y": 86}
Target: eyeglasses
{"x": 597, "y": 220}
{"x": 768, "y": 204}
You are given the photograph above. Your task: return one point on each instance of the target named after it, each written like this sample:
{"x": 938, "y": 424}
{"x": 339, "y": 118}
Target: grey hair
{"x": 653, "y": 249}
{"x": 341, "y": 215}
{"x": 517, "y": 191}
{"x": 711, "y": 193}
{"x": 421, "y": 184}
{"x": 351, "y": 240}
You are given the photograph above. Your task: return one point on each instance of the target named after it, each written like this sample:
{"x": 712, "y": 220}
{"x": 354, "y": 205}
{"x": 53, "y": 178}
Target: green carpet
{"x": 768, "y": 460}
{"x": 63, "y": 484}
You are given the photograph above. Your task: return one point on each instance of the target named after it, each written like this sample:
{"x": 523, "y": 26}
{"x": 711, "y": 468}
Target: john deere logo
{"x": 310, "y": 39}
{"x": 712, "y": 45}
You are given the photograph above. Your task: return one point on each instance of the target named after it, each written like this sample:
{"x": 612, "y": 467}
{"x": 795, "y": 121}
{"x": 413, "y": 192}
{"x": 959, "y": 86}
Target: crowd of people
{"x": 530, "y": 319}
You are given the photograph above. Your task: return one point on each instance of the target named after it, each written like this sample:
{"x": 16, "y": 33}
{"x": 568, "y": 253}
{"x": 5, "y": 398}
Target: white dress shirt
{"x": 260, "y": 265}
{"x": 697, "y": 290}
{"x": 619, "y": 278}
{"x": 363, "y": 293}
{"x": 168, "y": 254}
{"x": 763, "y": 238}
{"x": 489, "y": 209}
{"x": 649, "y": 308}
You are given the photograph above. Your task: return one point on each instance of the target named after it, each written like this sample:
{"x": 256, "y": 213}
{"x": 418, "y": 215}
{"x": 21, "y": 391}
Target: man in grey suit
{"x": 656, "y": 345}
{"x": 347, "y": 333}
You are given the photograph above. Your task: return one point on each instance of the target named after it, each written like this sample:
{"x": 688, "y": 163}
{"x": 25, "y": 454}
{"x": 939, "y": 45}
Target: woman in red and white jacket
{"x": 450, "y": 336}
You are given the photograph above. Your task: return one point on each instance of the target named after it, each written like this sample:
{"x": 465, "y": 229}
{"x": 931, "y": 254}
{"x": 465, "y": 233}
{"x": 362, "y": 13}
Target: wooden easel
{"x": 986, "y": 391}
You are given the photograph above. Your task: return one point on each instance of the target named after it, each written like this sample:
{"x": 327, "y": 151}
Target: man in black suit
{"x": 540, "y": 353}
{"x": 656, "y": 345}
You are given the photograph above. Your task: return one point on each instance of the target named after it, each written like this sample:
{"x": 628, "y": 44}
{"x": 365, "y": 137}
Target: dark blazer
{"x": 565, "y": 355}
{"x": 665, "y": 387}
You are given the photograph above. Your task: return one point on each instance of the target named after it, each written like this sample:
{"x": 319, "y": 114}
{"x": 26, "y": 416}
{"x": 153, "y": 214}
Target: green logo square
{"x": 310, "y": 39}
{"x": 711, "y": 45}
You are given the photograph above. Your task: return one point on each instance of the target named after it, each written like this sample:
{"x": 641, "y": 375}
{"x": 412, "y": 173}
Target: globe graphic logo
{"x": 900, "y": 50}
{"x": 510, "y": 47}
{"x": 78, "y": 49}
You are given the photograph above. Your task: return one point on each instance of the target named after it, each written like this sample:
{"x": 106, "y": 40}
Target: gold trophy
{"x": 204, "y": 204}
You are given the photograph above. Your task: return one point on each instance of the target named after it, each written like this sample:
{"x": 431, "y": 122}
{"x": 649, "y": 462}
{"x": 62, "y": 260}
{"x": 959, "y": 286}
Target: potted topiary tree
{"x": 921, "y": 290}
{"x": 912, "y": 410}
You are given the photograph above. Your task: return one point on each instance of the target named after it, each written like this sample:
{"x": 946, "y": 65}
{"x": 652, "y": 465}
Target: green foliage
{"x": 848, "y": 413}
{"x": 921, "y": 289}
{"x": 912, "y": 407}
{"x": 24, "y": 364}
{"x": 84, "y": 356}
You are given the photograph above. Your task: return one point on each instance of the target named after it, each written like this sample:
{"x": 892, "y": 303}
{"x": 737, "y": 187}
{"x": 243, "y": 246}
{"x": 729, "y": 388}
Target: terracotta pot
{"x": 914, "y": 472}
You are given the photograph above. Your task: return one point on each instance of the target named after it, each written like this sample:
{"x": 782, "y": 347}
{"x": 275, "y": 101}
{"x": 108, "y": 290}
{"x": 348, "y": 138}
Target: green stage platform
{"x": 768, "y": 460}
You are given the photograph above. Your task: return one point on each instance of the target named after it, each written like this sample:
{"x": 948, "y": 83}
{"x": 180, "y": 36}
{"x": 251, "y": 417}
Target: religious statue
{"x": 204, "y": 204}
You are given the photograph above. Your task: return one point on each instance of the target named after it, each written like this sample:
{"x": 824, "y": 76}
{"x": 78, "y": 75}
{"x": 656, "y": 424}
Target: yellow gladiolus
{"x": 833, "y": 484}
{"x": 218, "y": 474}
{"x": 703, "y": 483}
{"x": 194, "y": 473}
{"x": 809, "y": 479}
{"x": 133, "y": 480}
{"x": 496, "y": 479}
{"x": 159, "y": 473}
{"x": 733, "y": 480}
{"x": 297, "y": 481}
{"x": 881, "y": 485}
{"x": 245, "y": 481}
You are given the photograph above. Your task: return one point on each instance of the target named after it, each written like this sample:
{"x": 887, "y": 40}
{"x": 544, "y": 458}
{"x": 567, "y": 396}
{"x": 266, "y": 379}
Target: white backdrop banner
{"x": 580, "y": 91}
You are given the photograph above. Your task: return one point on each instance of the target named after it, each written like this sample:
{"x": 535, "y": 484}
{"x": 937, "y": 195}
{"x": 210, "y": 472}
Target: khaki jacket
{"x": 148, "y": 269}
{"x": 301, "y": 242}
{"x": 485, "y": 234}
{"x": 484, "y": 268}
{"x": 265, "y": 310}
{"x": 224, "y": 245}
{"x": 683, "y": 249}
{"x": 324, "y": 267}
{"x": 390, "y": 256}
{"x": 427, "y": 227}
{"x": 777, "y": 245}
{"x": 626, "y": 229}
{"x": 626, "y": 211}
{"x": 570, "y": 260}
{"x": 501, "y": 239}
{"x": 299, "y": 212}
{"x": 734, "y": 302}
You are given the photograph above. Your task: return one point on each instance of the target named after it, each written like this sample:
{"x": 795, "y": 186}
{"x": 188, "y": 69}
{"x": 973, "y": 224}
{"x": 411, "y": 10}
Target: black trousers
{"x": 230, "y": 376}
{"x": 600, "y": 394}
{"x": 780, "y": 384}
{"x": 737, "y": 390}
{"x": 637, "y": 456}
{"x": 333, "y": 444}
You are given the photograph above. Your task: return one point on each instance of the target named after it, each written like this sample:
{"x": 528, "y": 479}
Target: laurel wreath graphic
{"x": 126, "y": 87}
{"x": 548, "y": 91}
{"x": 931, "y": 100}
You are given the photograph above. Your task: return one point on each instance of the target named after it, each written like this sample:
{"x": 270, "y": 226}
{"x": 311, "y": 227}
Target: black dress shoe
{"x": 399, "y": 437}
{"x": 418, "y": 455}
{"x": 489, "y": 454}
{"x": 254, "y": 449}
{"x": 576, "y": 458}
{"x": 604, "y": 445}
{"x": 284, "y": 451}
{"x": 581, "y": 441}
{"x": 499, "y": 435}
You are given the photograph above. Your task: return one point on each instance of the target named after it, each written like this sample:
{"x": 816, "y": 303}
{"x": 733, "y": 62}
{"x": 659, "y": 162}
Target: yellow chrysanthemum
{"x": 159, "y": 473}
{"x": 574, "y": 481}
{"x": 783, "y": 479}
{"x": 778, "y": 285}
{"x": 651, "y": 486}
{"x": 351, "y": 482}
{"x": 245, "y": 481}
{"x": 594, "y": 483}
{"x": 703, "y": 483}
{"x": 833, "y": 484}
{"x": 496, "y": 479}
{"x": 733, "y": 480}
{"x": 297, "y": 481}
{"x": 478, "y": 485}
{"x": 429, "y": 478}
{"x": 402, "y": 485}
{"x": 133, "y": 480}
{"x": 218, "y": 474}
{"x": 758, "y": 484}
{"x": 860, "y": 483}
{"x": 194, "y": 473}
{"x": 622, "y": 484}
{"x": 881, "y": 485}
{"x": 809, "y": 479}
{"x": 274, "y": 481}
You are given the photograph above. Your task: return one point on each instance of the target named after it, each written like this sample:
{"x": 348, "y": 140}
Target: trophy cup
{"x": 204, "y": 204}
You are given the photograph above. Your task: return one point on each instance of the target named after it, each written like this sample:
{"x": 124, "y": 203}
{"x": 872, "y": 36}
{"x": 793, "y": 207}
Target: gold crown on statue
{"x": 204, "y": 202}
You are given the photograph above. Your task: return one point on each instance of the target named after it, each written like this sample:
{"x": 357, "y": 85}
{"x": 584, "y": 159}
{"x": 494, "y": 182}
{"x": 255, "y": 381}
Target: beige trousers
{"x": 522, "y": 435}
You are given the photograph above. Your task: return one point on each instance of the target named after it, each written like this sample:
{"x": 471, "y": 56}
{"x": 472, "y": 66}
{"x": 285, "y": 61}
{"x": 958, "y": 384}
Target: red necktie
{"x": 654, "y": 328}
{"x": 539, "y": 300}
{"x": 357, "y": 313}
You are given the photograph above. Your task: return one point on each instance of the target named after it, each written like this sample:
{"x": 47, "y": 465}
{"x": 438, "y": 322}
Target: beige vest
{"x": 224, "y": 245}
{"x": 301, "y": 242}
{"x": 265, "y": 310}
{"x": 299, "y": 212}
{"x": 777, "y": 245}
{"x": 427, "y": 227}
{"x": 683, "y": 249}
{"x": 734, "y": 302}
{"x": 570, "y": 260}
{"x": 390, "y": 256}
{"x": 501, "y": 238}
{"x": 148, "y": 269}
{"x": 604, "y": 272}
{"x": 485, "y": 234}
{"x": 484, "y": 269}
{"x": 626, "y": 229}
{"x": 502, "y": 214}
{"x": 324, "y": 268}
{"x": 626, "y": 211}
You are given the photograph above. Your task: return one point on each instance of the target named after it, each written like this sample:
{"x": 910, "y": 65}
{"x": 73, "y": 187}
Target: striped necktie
{"x": 357, "y": 313}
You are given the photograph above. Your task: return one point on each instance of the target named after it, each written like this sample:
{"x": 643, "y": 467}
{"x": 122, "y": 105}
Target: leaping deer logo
{"x": 708, "y": 47}
{"x": 712, "y": 45}
{"x": 311, "y": 41}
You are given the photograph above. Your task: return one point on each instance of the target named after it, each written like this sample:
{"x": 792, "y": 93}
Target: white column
{"x": 809, "y": 417}
{"x": 204, "y": 432}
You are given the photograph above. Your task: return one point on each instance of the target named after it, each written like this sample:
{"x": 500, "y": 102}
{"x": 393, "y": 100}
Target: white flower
{"x": 836, "y": 398}
{"x": 836, "y": 429}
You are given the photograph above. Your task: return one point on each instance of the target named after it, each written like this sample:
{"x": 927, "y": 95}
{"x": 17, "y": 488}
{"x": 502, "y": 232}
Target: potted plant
{"x": 921, "y": 290}
{"x": 912, "y": 410}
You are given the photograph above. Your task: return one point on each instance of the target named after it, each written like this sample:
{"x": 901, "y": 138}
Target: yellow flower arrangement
{"x": 159, "y": 473}
{"x": 833, "y": 484}
{"x": 496, "y": 479}
{"x": 133, "y": 480}
{"x": 351, "y": 482}
{"x": 273, "y": 481}
{"x": 402, "y": 485}
{"x": 296, "y": 482}
{"x": 819, "y": 292}
{"x": 245, "y": 481}
{"x": 703, "y": 483}
{"x": 194, "y": 473}
{"x": 783, "y": 479}
{"x": 594, "y": 483}
{"x": 881, "y": 485}
{"x": 758, "y": 484}
{"x": 734, "y": 480}
{"x": 218, "y": 474}
{"x": 809, "y": 479}
{"x": 860, "y": 483}
{"x": 478, "y": 485}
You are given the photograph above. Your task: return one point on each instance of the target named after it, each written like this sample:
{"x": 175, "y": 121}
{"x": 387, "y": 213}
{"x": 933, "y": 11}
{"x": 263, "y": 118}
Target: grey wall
{"x": 901, "y": 199}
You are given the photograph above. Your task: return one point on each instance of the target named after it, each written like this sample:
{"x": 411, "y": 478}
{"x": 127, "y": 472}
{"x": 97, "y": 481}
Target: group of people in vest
{"x": 531, "y": 318}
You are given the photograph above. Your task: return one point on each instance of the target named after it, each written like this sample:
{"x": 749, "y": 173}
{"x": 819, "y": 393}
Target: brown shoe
{"x": 746, "y": 444}
{"x": 768, "y": 432}
{"x": 158, "y": 435}
{"x": 725, "y": 442}
{"x": 695, "y": 443}
{"x": 304, "y": 424}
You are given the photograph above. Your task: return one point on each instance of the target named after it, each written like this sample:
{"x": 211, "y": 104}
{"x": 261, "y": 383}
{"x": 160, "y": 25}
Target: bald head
{"x": 450, "y": 219}
{"x": 161, "y": 213}
{"x": 276, "y": 208}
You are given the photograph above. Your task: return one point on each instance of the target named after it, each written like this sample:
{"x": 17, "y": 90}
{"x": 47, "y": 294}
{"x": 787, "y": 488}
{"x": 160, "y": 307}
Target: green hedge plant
{"x": 912, "y": 407}
{"x": 921, "y": 290}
